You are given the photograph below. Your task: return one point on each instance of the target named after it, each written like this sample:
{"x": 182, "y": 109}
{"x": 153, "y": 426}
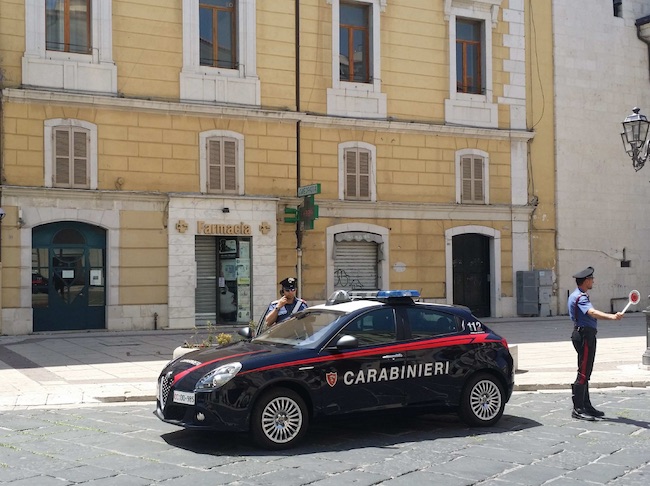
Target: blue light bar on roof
{"x": 385, "y": 294}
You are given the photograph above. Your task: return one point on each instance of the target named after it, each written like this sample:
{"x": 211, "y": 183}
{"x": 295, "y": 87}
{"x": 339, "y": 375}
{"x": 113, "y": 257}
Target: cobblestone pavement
{"x": 535, "y": 443}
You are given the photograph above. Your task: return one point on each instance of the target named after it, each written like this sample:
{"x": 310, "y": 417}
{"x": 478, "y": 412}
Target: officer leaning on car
{"x": 584, "y": 318}
{"x": 283, "y": 308}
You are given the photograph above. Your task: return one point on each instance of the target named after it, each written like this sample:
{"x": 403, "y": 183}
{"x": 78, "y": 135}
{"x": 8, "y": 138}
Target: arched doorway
{"x": 68, "y": 276}
{"x": 471, "y": 272}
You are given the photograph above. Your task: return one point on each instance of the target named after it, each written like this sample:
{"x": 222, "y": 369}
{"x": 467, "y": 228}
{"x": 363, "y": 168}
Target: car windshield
{"x": 306, "y": 329}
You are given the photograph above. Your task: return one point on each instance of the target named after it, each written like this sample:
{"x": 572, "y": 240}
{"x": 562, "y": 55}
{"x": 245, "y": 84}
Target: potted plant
{"x": 199, "y": 341}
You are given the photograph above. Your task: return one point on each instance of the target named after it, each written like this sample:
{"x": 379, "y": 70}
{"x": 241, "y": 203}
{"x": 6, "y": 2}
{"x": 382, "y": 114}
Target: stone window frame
{"x": 373, "y": 168}
{"x": 203, "y": 158}
{"x": 459, "y": 174}
{"x": 341, "y": 96}
{"x": 95, "y": 72}
{"x": 379, "y": 234}
{"x": 49, "y": 149}
{"x": 213, "y": 84}
{"x": 467, "y": 108}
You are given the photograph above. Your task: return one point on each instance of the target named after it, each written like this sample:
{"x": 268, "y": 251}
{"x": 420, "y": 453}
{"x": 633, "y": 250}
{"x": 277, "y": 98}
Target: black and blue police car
{"x": 378, "y": 352}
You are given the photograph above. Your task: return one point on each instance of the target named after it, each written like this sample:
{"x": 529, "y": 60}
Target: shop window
{"x": 223, "y": 287}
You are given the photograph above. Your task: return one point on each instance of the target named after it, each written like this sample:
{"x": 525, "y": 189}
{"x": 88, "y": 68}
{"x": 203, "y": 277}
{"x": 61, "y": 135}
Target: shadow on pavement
{"x": 347, "y": 434}
{"x": 624, "y": 420}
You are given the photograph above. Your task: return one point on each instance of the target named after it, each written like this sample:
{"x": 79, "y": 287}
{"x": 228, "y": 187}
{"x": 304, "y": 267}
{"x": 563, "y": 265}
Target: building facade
{"x": 150, "y": 151}
{"x": 601, "y": 72}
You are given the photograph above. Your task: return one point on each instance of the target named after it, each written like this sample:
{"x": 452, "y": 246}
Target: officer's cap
{"x": 289, "y": 283}
{"x": 586, "y": 273}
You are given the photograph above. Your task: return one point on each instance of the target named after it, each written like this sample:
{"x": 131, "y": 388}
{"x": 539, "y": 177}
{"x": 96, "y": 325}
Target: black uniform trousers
{"x": 584, "y": 342}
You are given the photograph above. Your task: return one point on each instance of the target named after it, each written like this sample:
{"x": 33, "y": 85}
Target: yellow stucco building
{"x": 151, "y": 148}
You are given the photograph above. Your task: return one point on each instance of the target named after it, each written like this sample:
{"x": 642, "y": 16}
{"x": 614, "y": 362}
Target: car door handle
{"x": 392, "y": 356}
{"x": 305, "y": 368}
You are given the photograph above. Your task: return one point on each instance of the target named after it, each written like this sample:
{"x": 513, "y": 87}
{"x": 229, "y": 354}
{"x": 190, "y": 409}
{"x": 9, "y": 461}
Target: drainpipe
{"x": 639, "y": 23}
{"x": 298, "y": 229}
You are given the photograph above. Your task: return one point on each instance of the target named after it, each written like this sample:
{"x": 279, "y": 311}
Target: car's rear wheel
{"x": 279, "y": 419}
{"x": 482, "y": 402}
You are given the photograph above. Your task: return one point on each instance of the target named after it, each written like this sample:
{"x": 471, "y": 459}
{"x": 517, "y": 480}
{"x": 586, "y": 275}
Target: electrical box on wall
{"x": 534, "y": 291}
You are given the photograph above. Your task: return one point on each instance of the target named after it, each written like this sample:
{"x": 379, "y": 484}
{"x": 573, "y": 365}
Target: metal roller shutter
{"x": 355, "y": 265}
{"x": 205, "y": 298}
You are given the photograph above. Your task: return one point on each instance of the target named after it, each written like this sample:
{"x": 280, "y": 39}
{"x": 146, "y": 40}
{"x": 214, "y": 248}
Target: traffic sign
{"x": 309, "y": 190}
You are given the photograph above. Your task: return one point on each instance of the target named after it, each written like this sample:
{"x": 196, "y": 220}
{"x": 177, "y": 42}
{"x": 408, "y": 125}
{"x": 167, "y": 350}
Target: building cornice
{"x": 357, "y": 210}
{"x": 251, "y": 113}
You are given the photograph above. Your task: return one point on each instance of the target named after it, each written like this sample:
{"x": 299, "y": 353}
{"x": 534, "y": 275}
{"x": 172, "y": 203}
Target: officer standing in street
{"x": 283, "y": 308}
{"x": 584, "y": 318}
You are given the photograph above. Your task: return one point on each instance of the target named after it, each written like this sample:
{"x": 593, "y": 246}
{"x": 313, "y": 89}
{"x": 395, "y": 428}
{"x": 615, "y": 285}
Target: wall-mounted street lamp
{"x": 635, "y": 138}
{"x": 636, "y": 142}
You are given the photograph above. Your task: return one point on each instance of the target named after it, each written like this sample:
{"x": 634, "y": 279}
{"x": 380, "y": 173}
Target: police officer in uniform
{"x": 584, "y": 318}
{"x": 283, "y": 308}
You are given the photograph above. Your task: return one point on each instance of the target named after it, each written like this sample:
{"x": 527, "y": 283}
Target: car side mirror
{"x": 347, "y": 342}
{"x": 245, "y": 332}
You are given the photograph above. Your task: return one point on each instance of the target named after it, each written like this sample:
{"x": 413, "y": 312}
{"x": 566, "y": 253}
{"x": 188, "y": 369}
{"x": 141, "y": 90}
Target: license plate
{"x": 186, "y": 398}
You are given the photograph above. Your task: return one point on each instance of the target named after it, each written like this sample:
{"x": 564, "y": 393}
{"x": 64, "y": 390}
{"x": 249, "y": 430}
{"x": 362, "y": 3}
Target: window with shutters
{"x": 222, "y": 167}
{"x": 357, "y": 171}
{"x": 71, "y": 157}
{"x": 222, "y": 162}
{"x": 357, "y": 174}
{"x": 70, "y": 154}
{"x": 472, "y": 175}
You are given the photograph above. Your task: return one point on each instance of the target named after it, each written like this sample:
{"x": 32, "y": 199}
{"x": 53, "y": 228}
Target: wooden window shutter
{"x": 222, "y": 165}
{"x": 351, "y": 174}
{"x": 71, "y": 157}
{"x": 472, "y": 190}
{"x": 230, "y": 166}
{"x": 214, "y": 165}
{"x": 478, "y": 180}
{"x": 364, "y": 174}
{"x": 62, "y": 157}
{"x": 80, "y": 159}
{"x": 357, "y": 174}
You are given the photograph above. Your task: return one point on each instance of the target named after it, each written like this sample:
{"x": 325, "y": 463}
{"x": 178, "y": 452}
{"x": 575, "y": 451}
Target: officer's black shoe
{"x": 581, "y": 414}
{"x": 593, "y": 412}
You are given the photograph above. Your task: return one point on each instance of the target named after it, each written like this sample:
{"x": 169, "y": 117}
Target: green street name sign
{"x": 309, "y": 190}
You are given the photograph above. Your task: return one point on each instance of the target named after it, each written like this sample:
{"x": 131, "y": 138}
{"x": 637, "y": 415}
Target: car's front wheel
{"x": 482, "y": 402}
{"x": 279, "y": 419}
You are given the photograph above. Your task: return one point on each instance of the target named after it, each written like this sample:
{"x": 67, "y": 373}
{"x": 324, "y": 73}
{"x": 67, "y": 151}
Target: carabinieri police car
{"x": 384, "y": 351}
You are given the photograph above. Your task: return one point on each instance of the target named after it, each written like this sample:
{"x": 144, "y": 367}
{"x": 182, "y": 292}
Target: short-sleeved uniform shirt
{"x": 288, "y": 309}
{"x": 579, "y": 305}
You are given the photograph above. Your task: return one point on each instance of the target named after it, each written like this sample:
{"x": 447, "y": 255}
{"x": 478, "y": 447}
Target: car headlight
{"x": 219, "y": 376}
